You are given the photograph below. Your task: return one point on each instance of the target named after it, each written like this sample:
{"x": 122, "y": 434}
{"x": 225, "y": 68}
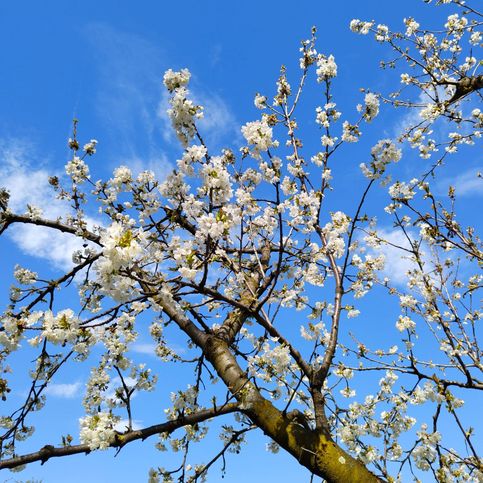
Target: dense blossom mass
{"x": 246, "y": 254}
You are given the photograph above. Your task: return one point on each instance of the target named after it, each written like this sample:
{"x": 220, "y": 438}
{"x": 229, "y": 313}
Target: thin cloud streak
{"x": 130, "y": 72}
{"x": 469, "y": 183}
{"x": 132, "y": 101}
{"x": 218, "y": 125}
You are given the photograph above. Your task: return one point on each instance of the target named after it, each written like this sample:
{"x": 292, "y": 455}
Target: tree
{"x": 233, "y": 250}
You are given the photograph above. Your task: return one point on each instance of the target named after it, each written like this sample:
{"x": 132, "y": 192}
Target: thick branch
{"x": 313, "y": 449}
{"x": 235, "y": 320}
{"x": 10, "y": 218}
{"x": 121, "y": 440}
{"x": 465, "y": 86}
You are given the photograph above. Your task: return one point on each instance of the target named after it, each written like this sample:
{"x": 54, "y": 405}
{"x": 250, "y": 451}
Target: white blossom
{"x": 360, "y": 26}
{"x": 98, "y": 430}
{"x": 371, "y": 107}
{"x": 405, "y": 323}
{"x": 260, "y": 101}
{"x": 77, "y": 169}
{"x": 326, "y": 68}
{"x": 24, "y": 275}
{"x": 173, "y": 80}
{"x": 411, "y": 26}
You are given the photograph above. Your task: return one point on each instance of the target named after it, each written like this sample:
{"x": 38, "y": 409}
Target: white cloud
{"x": 398, "y": 261}
{"x": 45, "y": 243}
{"x": 27, "y": 185}
{"x": 123, "y": 424}
{"x": 27, "y": 181}
{"x": 469, "y": 183}
{"x": 217, "y": 126}
{"x": 130, "y": 70}
{"x": 116, "y": 383}
{"x": 411, "y": 116}
{"x": 148, "y": 349}
{"x": 67, "y": 391}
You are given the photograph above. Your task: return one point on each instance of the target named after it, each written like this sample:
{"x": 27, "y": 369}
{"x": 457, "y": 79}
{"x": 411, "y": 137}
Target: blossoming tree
{"x": 234, "y": 250}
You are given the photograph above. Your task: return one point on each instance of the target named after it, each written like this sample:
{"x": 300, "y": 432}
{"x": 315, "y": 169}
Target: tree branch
{"x": 49, "y": 451}
{"x": 10, "y": 218}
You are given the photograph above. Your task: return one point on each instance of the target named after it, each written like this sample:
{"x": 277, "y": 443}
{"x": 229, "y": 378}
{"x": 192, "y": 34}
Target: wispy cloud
{"x": 132, "y": 101}
{"x": 130, "y": 70}
{"x": 218, "y": 125}
{"x": 410, "y": 116}
{"x": 67, "y": 391}
{"x": 216, "y": 54}
{"x": 218, "y": 122}
{"x": 130, "y": 85}
{"x": 469, "y": 183}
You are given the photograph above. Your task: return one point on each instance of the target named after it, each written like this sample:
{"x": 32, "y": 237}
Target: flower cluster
{"x": 90, "y": 147}
{"x": 183, "y": 402}
{"x": 401, "y": 191}
{"x": 183, "y": 112}
{"x": 334, "y": 232}
{"x": 174, "y": 80}
{"x": 383, "y": 153}
{"x": 216, "y": 181}
{"x": 98, "y": 431}
{"x": 360, "y": 27}
{"x": 62, "y": 328}
{"x": 326, "y": 68}
{"x": 122, "y": 247}
{"x": 259, "y": 135}
{"x": 405, "y": 323}
{"x": 411, "y": 26}
{"x": 326, "y": 115}
{"x": 371, "y": 107}
{"x": 272, "y": 361}
{"x": 77, "y": 169}
{"x": 24, "y": 275}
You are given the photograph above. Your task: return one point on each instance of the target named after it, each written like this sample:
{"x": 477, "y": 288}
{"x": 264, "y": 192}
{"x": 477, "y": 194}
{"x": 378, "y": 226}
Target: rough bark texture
{"x": 466, "y": 86}
{"x": 313, "y": 449}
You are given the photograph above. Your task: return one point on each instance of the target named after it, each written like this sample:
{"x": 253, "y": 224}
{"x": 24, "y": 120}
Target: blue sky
{"x": 103, "y": 63}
